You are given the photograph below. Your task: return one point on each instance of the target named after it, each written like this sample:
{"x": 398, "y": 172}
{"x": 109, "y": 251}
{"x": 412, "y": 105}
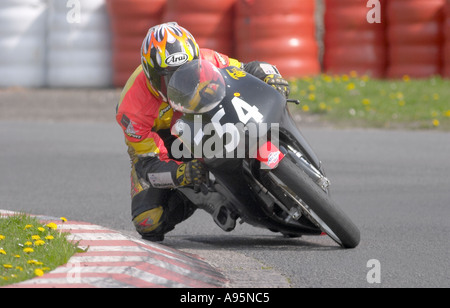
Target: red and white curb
{"x": 115, "y": 260}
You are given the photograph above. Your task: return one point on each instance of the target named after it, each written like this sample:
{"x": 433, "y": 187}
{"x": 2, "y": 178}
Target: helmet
{"x": 165, "y": 48}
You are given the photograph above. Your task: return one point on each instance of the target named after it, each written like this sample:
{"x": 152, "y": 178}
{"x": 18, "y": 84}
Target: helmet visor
{"x": 196, "y": 87}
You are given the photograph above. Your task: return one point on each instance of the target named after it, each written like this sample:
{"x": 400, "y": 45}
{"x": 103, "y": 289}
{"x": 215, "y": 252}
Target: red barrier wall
{"x": 130, "y": 21}
{"x": 210, "y": 21}
{"x": 415, "y": 37}
{"x": 281, "y": 32}
{"x": 446, "y": 48}
{"x": 351, "y": 42}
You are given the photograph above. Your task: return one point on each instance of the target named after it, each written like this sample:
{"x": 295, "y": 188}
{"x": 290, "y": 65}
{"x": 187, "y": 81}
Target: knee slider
{"x": 148, "y": 221}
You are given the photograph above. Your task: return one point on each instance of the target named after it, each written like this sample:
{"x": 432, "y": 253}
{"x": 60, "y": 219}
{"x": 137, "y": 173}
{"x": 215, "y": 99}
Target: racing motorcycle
{"x": 262, "y": 171}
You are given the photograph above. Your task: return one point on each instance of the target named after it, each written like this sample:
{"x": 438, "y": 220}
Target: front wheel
{"x": 315, "y": 203}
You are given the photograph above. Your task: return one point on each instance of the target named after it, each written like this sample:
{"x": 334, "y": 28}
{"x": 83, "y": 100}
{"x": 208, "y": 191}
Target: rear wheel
{"x": 312, "y": 201}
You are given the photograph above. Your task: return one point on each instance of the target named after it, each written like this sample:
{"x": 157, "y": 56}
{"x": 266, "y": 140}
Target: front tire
{"x": 321, "y": 207}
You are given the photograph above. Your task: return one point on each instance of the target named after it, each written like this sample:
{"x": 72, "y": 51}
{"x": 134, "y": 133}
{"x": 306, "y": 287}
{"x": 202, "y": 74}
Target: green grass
{"x": 351, "y": 100}
{"x": 29, "y": 248}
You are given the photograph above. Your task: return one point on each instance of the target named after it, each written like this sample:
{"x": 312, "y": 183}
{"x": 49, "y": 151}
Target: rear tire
{"x": 331, "y": 217}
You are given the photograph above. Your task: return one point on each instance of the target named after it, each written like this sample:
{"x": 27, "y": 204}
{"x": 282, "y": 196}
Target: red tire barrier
{"x": 210, "y": 22}
{"x": 446, "y": 55}
{"x": 415, "y": 37}
{"x": 130, "y": 21}
{"x": 351, "y": 42}
{"x": 280, "y": 32}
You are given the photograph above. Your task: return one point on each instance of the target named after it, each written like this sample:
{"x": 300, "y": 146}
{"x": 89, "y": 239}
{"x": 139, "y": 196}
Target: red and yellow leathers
{"x": 146, "y": 119}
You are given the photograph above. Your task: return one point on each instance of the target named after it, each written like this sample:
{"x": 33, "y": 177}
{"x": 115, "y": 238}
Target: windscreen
{"x": 196, "y": 87}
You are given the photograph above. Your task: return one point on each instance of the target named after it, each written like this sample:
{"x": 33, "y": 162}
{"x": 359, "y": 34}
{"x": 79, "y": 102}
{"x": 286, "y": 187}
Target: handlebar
{"x": 295, "y": 101}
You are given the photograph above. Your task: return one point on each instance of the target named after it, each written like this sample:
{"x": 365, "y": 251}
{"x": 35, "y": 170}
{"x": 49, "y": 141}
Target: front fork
{"x": 271, "y": 155}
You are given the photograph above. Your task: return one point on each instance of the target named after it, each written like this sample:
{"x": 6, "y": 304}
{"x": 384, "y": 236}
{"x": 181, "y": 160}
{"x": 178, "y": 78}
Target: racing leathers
{"x": 146, "y": 119}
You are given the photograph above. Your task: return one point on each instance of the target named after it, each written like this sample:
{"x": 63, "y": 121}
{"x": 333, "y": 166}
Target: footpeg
{"x": 224, "y": 218}
{"x": 214, "y": 204}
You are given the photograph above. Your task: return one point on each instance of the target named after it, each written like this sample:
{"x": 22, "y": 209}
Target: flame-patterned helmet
{"x": 165, "y": 48}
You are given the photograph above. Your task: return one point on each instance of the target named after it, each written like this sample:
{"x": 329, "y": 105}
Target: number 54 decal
{"x": 245, "y": 112}
{"x": 238, "y": 139}
{"x": 252, "y": 112}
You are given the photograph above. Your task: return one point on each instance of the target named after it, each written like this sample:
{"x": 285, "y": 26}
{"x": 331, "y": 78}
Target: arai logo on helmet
{"x": 177, "y": 59}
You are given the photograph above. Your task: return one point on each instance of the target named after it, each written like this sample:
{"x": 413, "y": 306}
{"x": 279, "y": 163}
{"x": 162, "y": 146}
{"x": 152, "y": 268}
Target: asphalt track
{"x": 63, "y": 155}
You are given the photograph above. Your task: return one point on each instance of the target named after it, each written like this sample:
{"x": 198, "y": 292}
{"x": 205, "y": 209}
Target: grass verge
{"x": 29, "y": 248}
{"x": 352, "y": 100}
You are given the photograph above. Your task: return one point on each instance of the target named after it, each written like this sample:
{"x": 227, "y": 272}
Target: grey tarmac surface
{"x": 63, "y": 155}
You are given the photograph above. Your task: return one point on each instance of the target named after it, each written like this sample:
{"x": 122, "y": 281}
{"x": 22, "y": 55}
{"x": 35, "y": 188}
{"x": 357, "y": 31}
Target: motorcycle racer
{"x": 146, "y": 117}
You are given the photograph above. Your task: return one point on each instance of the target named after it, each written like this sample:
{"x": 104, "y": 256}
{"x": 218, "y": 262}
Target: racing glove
{"x": 192, "y": 173}
{"x": 270, "y": 75}
{"x": 279, "y": 83}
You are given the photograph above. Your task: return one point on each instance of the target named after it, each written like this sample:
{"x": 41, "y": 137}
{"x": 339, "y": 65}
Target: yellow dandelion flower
{"x": 2, "y": 237}
{"x": 406, "y": 78}
{"x": 337, "y": 100}
{"x": 52, "y": 226}
{"x": 20, "y": 268}
{"x": 35, "y": 237}
{"x": 38, "y": 272}
{"x": 28, "y": 243}
{"x": 46, "y": 269}
{"x": 17, "y": 256}
{"x": 436, "y": 96}
{"x": 7, "y": 266}
{"x": 322, "y": 106}
{"x": 40, "y": 229}
{"x": 366, "y": 101}
{"x": 436, "y": 123}
{"x": 28, "y": 250}
{"x": 64, "y": 219}
{"x": 350, "y": 86}
{"x": 32, "y": 262}
{"x": 327, "y": 78}
{"x": 312, "y": 88}
{"x": 447, "y": 113}
{"x": 305, "y": 108}
{"x": 2, "y": 251}
{"x": 345, "y": 77}
{"x": 312, "y": 97}
{"x": 401, "y": 103}
{"x": 49, "y": 237}
{"x": 28, "y": 227}
{"x": 39, "y": 243}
